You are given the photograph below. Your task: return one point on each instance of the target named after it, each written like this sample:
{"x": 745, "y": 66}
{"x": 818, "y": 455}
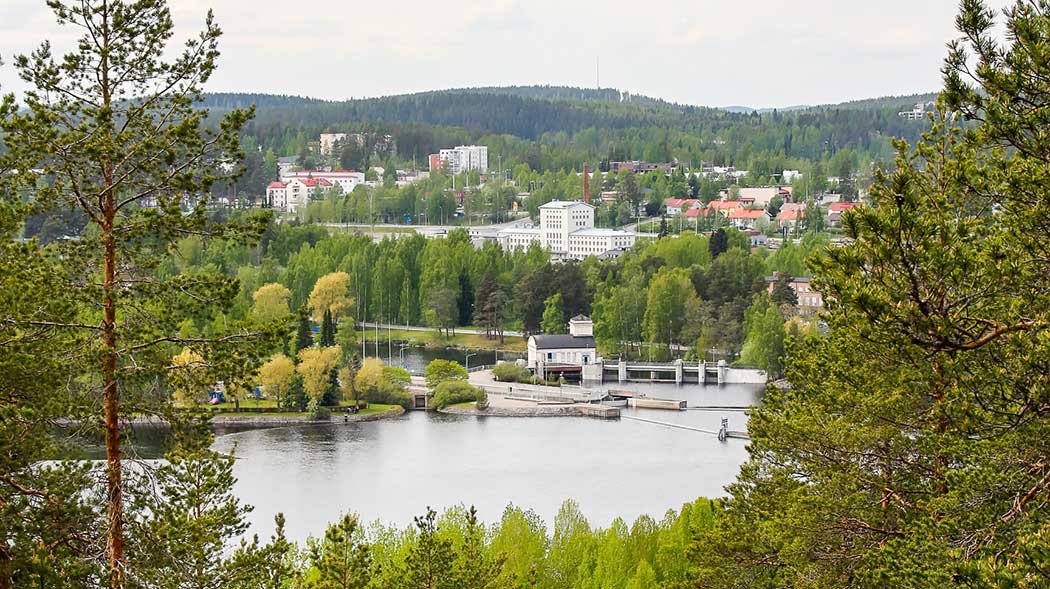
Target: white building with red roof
{"x": 748, "y": 219}
{"x": 835, "y": 211}
{"x": 790, "y": 218}
{"x": 291, "y": 195}
{"x": 677, "y": 206}
{"x": 724, "y": 206}
{"x": 346, "y": 179}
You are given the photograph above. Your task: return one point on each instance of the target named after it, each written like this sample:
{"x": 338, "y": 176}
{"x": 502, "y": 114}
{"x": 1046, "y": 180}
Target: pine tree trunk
{"x": 111, "y": 399}
{"x": 111, "y": 394}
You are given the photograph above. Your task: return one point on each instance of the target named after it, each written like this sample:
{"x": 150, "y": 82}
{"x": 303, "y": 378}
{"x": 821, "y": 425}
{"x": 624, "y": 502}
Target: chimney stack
{"x": 586, "y": 185}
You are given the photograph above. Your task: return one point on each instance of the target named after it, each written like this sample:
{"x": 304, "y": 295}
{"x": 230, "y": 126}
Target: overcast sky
{"x": 712, "y": 52}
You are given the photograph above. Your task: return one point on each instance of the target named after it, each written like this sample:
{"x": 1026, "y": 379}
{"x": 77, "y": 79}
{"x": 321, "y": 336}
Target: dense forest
{"x": 544, "y": 129}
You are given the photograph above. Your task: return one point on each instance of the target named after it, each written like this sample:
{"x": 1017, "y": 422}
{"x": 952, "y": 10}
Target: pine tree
{"x": 431, "y": 556}
{"x": 719, "y": 242}
{"x": 304, "y": 334}
{"x": 118, "y": 137}
{"x": 327, "y": 330}
{"x": 342, "y": 560}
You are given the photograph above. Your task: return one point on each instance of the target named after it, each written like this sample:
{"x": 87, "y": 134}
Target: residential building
{"x": 809, "y": 299}
{"x": 724, "y": 206}
{"x": 346, "y": 179}
{"x": 434, "y": 160}
{"x": 748, "y": 218}
{"x": 286, "y": 163}
{"x": 790, "y": 175}
{"x": 917, "y": 113}
{"x": 790, "y": 218}
{"x": 835, "y": 211}
{"x": 677, "y": 206}
{"x": 289, "y": 196}
{"x": 566, "y": 230}
{"x": 465, "y": 158}
{"x": 576, "y": 348}
{"x": 327, "y": 142}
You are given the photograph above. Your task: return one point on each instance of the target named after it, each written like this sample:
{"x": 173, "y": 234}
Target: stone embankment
{"x": 561, "y": 410}
{"x": 249, "y": 419}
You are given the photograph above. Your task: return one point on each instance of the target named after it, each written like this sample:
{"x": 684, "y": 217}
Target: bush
{"x": 317, "y": 411}
{"x": 389, "y": 394}
{"x": 511, "y": 372}
{"x": 439, "y": 371}
{"x": 452, "y": 392}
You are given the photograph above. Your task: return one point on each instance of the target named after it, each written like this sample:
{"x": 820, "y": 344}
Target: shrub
{"x": 439, "y": 371}
{"x": 389, "y": 394}
{"x": 316, "y": 411}
{"x": 451, "y": 392}
{"x": 511, "y": 372}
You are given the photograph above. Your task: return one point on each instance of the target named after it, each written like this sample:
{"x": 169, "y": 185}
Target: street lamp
{"x": 468, "y": 362}
{"x": 401, "y": 354}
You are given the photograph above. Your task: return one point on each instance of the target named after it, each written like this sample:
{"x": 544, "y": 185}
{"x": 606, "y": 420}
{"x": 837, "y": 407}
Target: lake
{"x": 394, "y": 469}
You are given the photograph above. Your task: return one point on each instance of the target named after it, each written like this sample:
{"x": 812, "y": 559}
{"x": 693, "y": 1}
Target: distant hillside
{"x": 561, "y": 128}
{"x": 896, "y": 102}
{"x": 500, "y": 111}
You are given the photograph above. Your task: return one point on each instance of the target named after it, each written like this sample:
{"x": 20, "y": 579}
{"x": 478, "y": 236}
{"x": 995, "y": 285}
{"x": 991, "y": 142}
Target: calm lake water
{"x": 394, "y": 469}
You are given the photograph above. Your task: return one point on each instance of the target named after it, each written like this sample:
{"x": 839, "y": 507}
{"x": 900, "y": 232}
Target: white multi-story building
{"x": 917, "y": 113}
{"x": 567, "y": 230}
{"x": 465, "y": 158}
{"x": 328, "y": 140}
{"x": 345, "y": 179}
{"x": 289, "y": 196}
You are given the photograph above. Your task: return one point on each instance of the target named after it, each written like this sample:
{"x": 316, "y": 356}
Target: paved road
{"x": 368, "y": 325}
{"x": 425, "y": 230}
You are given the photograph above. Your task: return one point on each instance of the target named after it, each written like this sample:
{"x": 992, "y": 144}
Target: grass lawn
{"x": 432, "y": 339}
{"x": 467, "y": 405}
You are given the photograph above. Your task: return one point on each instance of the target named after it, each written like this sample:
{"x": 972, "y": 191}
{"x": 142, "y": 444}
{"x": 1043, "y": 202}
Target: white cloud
{"x": 756, "y": 52}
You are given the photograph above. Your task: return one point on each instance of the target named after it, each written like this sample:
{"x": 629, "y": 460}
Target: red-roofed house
{"x": 677, "y": 206}
{"x": 790, "y": 218}
{"x": 724, "y": 206}
{"x": 835, "y": 211}
{"x": 748, "y": 218}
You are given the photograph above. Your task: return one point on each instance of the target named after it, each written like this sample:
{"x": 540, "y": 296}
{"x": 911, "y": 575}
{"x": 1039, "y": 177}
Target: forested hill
{"x": 477, "y": 111}
{"x": 552, "y": 128}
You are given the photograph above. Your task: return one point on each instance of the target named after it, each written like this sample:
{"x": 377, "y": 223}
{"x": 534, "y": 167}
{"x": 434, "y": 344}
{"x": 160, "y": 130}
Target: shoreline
{"x": 568, "y": 410}
{"x": 227, "y": 419}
